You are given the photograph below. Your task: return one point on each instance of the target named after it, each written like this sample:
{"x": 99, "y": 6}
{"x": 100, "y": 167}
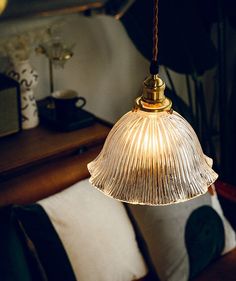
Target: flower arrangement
{"x": 18, "y": 47}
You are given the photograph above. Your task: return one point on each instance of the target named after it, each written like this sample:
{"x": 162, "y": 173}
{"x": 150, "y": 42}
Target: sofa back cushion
{"x": 14, "y": 263}
{"x": 182, "y": 239}
{"x": 44, "y": 244}
{"x": 94, "y": 230}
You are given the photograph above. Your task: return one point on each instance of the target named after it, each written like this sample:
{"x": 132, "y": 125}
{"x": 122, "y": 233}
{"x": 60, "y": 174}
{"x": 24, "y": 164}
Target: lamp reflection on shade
{"x": 152, "y": 155}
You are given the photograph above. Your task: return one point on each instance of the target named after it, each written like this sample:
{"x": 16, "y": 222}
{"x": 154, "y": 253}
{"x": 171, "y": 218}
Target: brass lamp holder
{"x": 153, "y": 98}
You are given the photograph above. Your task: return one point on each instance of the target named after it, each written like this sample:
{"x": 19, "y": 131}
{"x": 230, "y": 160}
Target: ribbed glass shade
{"x": 152, "y": 158}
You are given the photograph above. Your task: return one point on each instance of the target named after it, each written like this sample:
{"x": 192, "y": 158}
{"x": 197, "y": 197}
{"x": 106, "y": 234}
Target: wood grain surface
{"x": 46, "y": 179}
{"x": 38, "y": 145}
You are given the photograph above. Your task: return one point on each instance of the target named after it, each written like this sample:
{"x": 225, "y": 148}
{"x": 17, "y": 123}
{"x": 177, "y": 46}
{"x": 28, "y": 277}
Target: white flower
{"x": 19, "y": 46}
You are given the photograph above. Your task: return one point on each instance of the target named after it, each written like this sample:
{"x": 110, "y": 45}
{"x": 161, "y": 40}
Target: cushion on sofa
{"x": 13, "y": 260}
{"x": 182, "y": 239}
{"x": 95, "y": 231}
{"x": 50, "y": 254}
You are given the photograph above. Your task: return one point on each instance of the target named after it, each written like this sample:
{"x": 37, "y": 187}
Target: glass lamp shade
{"x": 152, "y": 158}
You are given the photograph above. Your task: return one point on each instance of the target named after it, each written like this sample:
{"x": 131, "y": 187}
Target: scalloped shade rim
{"x": 152, "y": 159}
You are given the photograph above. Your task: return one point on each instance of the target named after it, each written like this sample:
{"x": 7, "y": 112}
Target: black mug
{"x": 67, "y": 103}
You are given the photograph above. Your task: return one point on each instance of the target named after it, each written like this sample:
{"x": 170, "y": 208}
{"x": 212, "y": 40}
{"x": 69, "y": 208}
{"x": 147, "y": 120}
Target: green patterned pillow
{"x": 14, "y": 262}
{"x": 182, "y": 239}
{"x": 48, "y": 251}
{"x": 204, "y": 238}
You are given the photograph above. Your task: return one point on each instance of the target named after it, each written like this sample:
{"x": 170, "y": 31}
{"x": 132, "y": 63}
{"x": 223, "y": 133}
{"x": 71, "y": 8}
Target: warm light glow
{"x": 3, "y": 4}
{"x": 152, "y": 158}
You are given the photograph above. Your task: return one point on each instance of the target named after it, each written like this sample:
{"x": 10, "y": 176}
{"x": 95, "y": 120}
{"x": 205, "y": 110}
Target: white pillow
{"x": 164, "y": 231}
{"x": 96, "y": 233}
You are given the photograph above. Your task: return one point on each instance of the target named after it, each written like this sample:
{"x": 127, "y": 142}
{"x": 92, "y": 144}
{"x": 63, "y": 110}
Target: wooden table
{"x": 46, "y": 160}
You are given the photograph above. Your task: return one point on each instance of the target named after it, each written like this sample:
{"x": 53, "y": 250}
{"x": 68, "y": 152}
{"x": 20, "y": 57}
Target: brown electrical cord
{"x": 155, "y": 31}
{"x": 154, "y": 64}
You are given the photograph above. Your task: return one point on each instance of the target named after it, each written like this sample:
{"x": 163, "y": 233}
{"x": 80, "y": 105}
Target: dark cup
{"x": 67, "y": 103}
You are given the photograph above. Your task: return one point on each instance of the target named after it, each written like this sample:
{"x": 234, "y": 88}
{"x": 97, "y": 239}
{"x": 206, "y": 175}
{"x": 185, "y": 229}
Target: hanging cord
{"x": 154, "y": 65}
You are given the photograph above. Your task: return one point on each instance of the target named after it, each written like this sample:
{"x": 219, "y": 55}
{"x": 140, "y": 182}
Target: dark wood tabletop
{"x": 40, "y": 144}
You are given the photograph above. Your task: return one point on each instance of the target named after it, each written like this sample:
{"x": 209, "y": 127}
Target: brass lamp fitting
{"x": 3, "y": 4}
{"x": 153, "y": 98}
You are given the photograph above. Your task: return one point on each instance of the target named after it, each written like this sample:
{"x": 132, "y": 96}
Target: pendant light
{"x": 152, "y": 155}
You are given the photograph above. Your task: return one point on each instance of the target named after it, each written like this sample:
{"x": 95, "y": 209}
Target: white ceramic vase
{"x": 27, "y": 77}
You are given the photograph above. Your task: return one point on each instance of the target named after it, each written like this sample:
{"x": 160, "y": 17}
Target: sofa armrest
{"x": 227, "y": 197}
{"x": 223, "y": 269}
{"x": 225, "y": 190}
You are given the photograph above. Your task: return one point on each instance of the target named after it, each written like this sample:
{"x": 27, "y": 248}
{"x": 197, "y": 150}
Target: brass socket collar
{"x": 153, "y": 97}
